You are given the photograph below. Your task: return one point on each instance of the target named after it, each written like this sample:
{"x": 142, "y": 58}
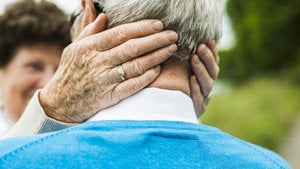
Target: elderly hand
{"x": 88, "y": 78}
{"x": 205, "y": 68}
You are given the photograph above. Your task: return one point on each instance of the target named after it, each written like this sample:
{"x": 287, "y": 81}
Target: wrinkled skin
{"x": 87, "y": 79}
{"x": 205, "y": 65}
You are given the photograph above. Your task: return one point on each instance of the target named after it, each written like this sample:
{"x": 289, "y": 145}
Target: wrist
{"x": 61, "y": 108}
{"x": 51, "y": 106}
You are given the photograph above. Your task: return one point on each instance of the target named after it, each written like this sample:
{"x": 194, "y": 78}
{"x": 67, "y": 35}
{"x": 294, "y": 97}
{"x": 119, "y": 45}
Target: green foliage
{"x": 267, "y": 39}
{"x": 260, "y": 111}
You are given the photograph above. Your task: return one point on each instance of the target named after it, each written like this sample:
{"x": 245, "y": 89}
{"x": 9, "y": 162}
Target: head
{"x": 32, "y": 37}
{"x": 195, "y": 21}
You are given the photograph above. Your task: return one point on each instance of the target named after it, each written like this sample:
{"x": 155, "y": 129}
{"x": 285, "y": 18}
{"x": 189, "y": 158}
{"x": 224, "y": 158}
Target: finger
{"x": 207, "y": 57}
{"x": 95, "y": 27}
{"x": 139, "y": 65}
{"x": 120, "y": 34}
{"x": 89, "y": 12}
{"x": 197, "y": 97}
{"x": 137, "y": 47}
{"x": 203, "y": 78}
{"x": 213, "y": 47}
{"x": 133, "y": 85}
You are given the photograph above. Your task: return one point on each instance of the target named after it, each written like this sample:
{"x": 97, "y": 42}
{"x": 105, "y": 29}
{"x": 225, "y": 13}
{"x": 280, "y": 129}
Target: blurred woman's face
{"x": 30, "y": 69}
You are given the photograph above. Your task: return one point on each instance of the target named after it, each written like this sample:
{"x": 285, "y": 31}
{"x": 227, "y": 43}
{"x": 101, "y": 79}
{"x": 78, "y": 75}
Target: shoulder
{"x": 144, "y": 143}
{"x": 244, "y": 153}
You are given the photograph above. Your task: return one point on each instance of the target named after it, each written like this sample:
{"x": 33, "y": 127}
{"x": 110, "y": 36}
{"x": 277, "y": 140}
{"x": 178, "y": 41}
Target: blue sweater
{"x": 136, "y": 144}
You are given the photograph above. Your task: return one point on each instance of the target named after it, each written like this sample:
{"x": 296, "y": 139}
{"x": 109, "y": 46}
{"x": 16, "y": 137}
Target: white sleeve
{"x": 35, "y": 121}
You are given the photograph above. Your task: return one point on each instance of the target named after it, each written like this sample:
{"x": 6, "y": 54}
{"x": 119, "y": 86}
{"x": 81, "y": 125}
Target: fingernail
{"x": 157, "y": 25}
{"x": 172, "y": 36}
{"x": 172, "y": 48}
{"x": 201, "y": 48}
{"x": 203, "y": 51}
{"x": 196, "y": 59}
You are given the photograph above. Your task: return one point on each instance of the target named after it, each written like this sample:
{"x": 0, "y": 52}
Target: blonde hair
{"x": 195, "y": 21}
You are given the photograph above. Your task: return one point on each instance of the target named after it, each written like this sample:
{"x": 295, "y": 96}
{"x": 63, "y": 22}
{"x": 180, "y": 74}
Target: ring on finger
{"x": 121, "y": 73}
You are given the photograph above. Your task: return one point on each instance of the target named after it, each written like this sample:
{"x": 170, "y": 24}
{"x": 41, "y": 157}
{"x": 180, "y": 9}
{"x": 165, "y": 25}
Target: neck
{"x": 174, "y": 76}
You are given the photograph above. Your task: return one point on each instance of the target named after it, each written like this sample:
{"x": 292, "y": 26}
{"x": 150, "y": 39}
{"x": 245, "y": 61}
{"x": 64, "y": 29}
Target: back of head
{"x": 28, "y": 22}
{"x": 195, "y": 21}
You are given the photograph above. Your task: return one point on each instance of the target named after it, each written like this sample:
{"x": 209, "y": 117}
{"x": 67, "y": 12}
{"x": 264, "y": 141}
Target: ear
{"x": 88, "y": 12}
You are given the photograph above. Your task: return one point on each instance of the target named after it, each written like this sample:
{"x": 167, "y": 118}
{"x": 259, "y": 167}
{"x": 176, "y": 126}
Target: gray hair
{"x": 195, "y": 21}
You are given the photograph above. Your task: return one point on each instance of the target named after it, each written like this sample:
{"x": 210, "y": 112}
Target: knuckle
{"x": 153, "y": 59}
{"x": 157, "y": 41}
{"x": 77, "y": 56}
{"x": 79, "y": 49}
{"x": 66, "y": 53}
{"x": 132, "y": 49}
{"x": 201, "y": 69}
{"x": 141, "y": 29}
{"x": 208, "y": 55}
{"x": 133, "y": 87}
{"x": 71, "y": 50}
{"x": 68, "y": 49}
{"x": 120, "y": 34}
{"x": 209, "y": 87}
{"x": 203, "y": 50}
{"x": 115, "y": 95}
{"x": 103, "y": 60}
{"x": 138, "y": 67}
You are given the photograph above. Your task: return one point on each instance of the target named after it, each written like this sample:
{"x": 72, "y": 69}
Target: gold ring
{"x": 121, "y": 73}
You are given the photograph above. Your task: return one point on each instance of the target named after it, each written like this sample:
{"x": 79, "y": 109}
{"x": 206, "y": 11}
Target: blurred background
{"x": 257, "y": 94}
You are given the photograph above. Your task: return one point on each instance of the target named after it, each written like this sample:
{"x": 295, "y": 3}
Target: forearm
{"x": 35, "y": 121}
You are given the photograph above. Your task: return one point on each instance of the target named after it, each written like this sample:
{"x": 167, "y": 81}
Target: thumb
{"x": 95, "y": 27}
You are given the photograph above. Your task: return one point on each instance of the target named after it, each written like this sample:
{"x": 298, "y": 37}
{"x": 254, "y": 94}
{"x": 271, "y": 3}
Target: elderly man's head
{"x": 195, "y": 21}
